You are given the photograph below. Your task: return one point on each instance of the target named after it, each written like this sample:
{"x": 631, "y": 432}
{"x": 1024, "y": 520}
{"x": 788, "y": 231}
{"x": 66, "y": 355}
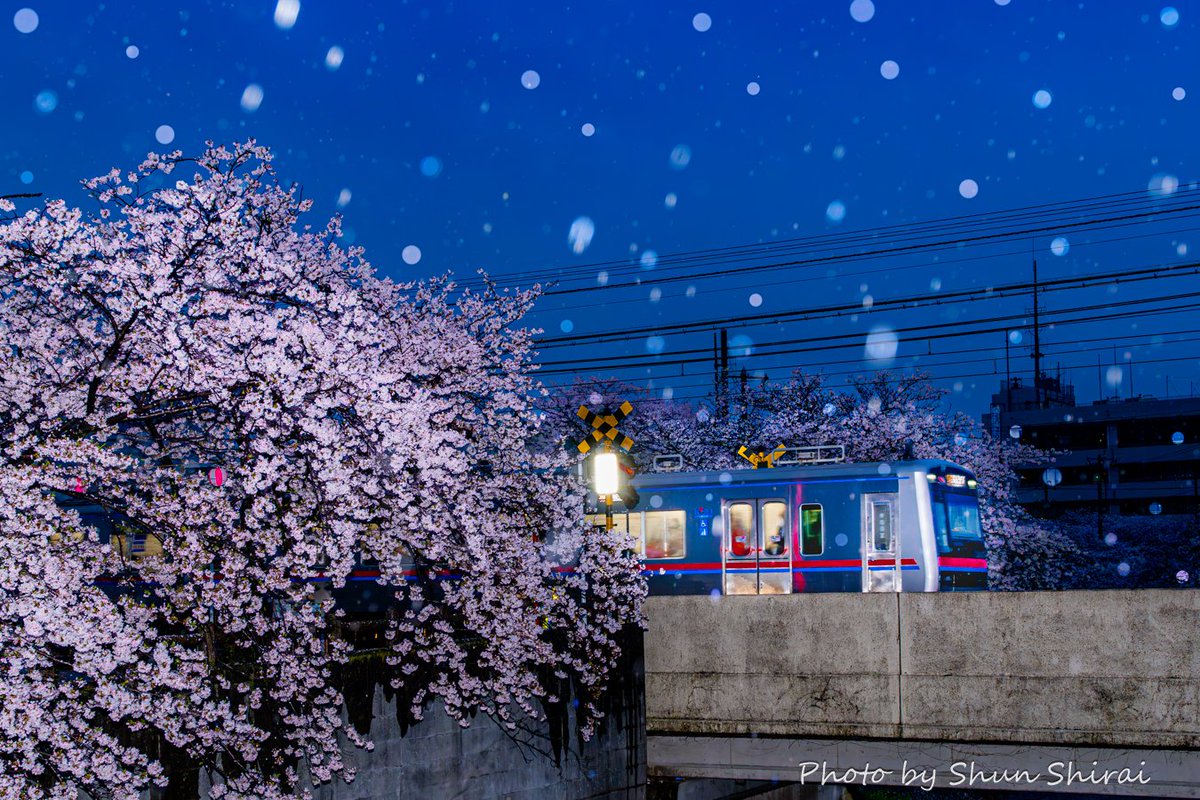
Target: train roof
{"x": 790, "y": 473}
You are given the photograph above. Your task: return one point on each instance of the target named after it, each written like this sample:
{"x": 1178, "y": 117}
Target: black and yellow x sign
{"x": 761, "y": 458}
{"x": 604, "y": 427}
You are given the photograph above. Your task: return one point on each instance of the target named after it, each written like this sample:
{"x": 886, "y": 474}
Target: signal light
{"x": 605, "y": 474}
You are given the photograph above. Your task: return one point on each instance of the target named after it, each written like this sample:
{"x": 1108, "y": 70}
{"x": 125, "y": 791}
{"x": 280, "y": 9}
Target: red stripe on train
{"x": 977, "y": 563}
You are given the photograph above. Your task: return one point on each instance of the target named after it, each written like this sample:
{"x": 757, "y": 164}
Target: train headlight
{"x": 971, "y": 483}
{"x": 605, "y": 473}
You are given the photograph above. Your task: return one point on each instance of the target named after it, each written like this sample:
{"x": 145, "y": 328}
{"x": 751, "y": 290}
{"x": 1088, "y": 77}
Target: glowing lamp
{"x": 605, "y": 473}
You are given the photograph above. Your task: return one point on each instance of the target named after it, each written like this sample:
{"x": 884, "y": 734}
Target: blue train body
{"x": 891, "y": 526}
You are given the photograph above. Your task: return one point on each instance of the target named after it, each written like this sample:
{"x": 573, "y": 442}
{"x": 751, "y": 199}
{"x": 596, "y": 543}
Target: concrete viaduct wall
{"x": 750, "y": 687}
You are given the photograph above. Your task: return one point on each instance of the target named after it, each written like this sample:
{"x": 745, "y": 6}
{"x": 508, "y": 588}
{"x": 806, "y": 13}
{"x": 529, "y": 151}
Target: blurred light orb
{"x": 252, "y": 97}
{"x": 1015, "y": 431}
{"x": 1178, "y": 93}
{"x": 835, "y": 211}
{"x": 756, "y": 299}
{"x": 343, "y": 198}
{"x": 132, "y": 51}
{"x": 752, "y": 88}
{"x": 829, "y": 409}
{"x": 649, "y": 260}
{"x": 334, "y": 57}
{"x": 1169, "y": 17}
{"x": 725, "y": 478}
{"x": 840, "y": 540}
{"x": 530, "y": 79}
{"x": 26, "y": 177}
{"x": 25, "y": 20}
{"x": 411, "y": 254}
{"x": 566, "y": 326}
{"x": 1002, "y": 2}
{"x": 1177, "y": 437}
{"x": 286, "y": 12}
{"x": 588, "y": 129}
{"x": 681, "y": 156}
{"x": 655, "y": 344}
{"x": 1015, "y": 337}
{"x": 580, "y": 234}
{"x": 1042, "y": 99}
{"x": 671, "y": 200}
{"x": 882, "y": 344}
{"x": 702, "y": 22}
{"x": 1113, "y": 376}
{"x": 655, "y": 294}
{"x": 968, "y": 188}
{"x": 741, "y": 346}
{"x": 862, "y": 10}
{"x": 1060, "y": 246}
{"x": 1163, "y": 184}
{"x": 935, "y": 284}
{"x": 46, "y": 101}
{"x": 164, "y": 134}
{"x": 889, "y": 70}
{"x": 602, "y": 277}
{"x": 690, "y": 292}
{"x": 1123, "y": 569}
{"x": 656, "y": 501}
{"x": 1156, "y": 508}
{"x": 1182, "y": 576}
{"x": 1110, "y": 539}
{"x": 431, "y": 166}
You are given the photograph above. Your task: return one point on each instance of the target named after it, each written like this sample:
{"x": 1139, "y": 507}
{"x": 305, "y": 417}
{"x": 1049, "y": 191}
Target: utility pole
{"x": 1037, "y": 342}
{"x": 1007, "y": 377}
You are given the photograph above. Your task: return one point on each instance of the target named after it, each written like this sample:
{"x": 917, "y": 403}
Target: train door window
{"x": 881, "y": 526}
{"x": 812, "y": 529}
{"x": 664, "y": 534}
{"x": 741, "y": 530}
{"x": 774, "y": 529}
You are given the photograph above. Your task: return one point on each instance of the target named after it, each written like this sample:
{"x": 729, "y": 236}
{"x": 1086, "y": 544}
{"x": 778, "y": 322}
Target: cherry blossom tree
{"x": 191, "y": 322}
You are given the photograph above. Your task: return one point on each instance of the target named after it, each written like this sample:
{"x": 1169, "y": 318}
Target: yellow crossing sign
{"x": 604, "y": 427}
{"x": 761, "y": 458}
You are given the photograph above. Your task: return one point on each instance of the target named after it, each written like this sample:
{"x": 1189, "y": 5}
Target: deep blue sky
{"x": 427, "y": 129}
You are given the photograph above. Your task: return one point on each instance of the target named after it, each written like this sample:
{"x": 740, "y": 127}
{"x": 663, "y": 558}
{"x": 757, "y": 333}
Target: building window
{"x": 812, "y": 530}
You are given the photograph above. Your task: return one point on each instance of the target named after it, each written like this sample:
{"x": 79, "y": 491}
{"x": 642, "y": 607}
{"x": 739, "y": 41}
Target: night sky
{"x": 593, "y": 143}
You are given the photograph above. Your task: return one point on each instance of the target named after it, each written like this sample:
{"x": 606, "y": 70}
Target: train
{"x": 889, "y": 526}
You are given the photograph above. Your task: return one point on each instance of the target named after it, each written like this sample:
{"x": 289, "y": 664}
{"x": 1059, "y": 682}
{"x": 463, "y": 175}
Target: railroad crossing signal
{"x": 761, "y": 458}
{"x": 605, "y": 427}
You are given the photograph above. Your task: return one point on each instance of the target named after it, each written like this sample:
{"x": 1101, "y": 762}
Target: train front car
{"x": 867, "y": 527}
{"x": 953, "y": 497}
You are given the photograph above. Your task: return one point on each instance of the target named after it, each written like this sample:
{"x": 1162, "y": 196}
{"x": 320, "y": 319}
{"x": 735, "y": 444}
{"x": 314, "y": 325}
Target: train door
{"x": 756, "y": 557}
{"x": 880, "y": 543}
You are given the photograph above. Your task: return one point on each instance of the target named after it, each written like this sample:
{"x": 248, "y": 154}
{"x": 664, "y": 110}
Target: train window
{"x": 741, "y": 529}
{"x": 812, "y": 530}
{"x": 665, "y": 534}
{"x": 134, "y": 543}
{"x": 774, "y": 528}
{"x": 629, "y": 522}
{"x": 939, "y": 525}
{"x": 881, "y": 527}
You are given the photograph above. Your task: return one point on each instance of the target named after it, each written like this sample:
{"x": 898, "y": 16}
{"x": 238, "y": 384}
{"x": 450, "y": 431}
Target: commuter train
{"x": 909, "y": 526}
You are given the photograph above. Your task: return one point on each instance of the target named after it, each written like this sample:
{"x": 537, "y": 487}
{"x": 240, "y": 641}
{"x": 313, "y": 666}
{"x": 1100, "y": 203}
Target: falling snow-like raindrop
{"x": 714, "y": 596}
{"x": 343, "y": 198}
{"x": 862, "y": 10}
{"x": 656, "y": 501}
{"x": 1178, "y": 93}
{"x": 881, "y": 345}
{"x": 25, "y": 20}
{"x": 1042, "y": 99}
{"x": 752, "y": 88}
{"x": 1163, "y": 184}
{"x": 431, "y": 166}
{"x": 884, "y": 469}
{"x": 286, "y": 12}
{"x": 1002, "y": 2}
{"x": 566, "y": 326}
{"x": 690, "y": 292}
{"x": 968, "y": 188}
{"x": 1059, "y": 246}
{"x": 164, "y": 134}
{"x": 1169, "y": 17}
{"x": 649, "y": 259}
{"x": 681, "y": 156}
{"x": 26, "y": 177}
{"x": 46, "y": 101}
{"x": 1113, "y": 376}
{"x": 602, "y": 277}
{"x": 530, "y": 79}
{"x": 655, "y": 294}
{"x": 588, "y": 129}
{"x": 840, "y": 540}
{"x": 741, "y": 346}
{"x": 655, "y": 344}
{"x": 1123, "y": 569}
{"x": 702, "y": 415}
{"x": 702, "y": 22}
{"x": 1182, "y": 576}
{"x": 580, "y": 234}
{"x": 829, "y": 409}
{"x": 252, "y": 97}
{"x": 725, "y": 478}
{"x": 670, "y": 200}
{"x": 756, "y": 299}
{"x": 935, "y": 284}
{"x": 411, "y": 254}
{"x": 1155, "y": 508}
{"x": 835, "y": 211}
{"x": 1015, "y": 337}
{"x": 1015, "y": 431}
{"x": 889, "y": 70}
{"x": 132, "y": 51}
{"x": 1177, "y": 437}
{"x": 334, "y": 57}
